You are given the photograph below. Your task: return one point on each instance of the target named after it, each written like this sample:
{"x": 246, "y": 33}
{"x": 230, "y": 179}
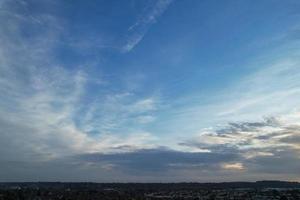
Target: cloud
{"x": 46, "y": 109}
{"x": 269, "y": 88}
{"x": 160, "y": 160}
{"x": 38, "y": 96}
{"x": 118, "y": 113}
{"x": 137, "y": 31}
{"x": 146, "y": 119}
{"x": 233, "y": 166}
{"x": 265, "y": 147}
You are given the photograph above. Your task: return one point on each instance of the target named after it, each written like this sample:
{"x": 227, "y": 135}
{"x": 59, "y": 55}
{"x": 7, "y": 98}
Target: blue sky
{"x": 150, "y": 90}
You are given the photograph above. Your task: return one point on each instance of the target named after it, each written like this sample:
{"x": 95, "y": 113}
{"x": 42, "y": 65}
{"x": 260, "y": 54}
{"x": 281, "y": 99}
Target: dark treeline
{"x": 184, "y": 185}
{"x": 267, "y": 190}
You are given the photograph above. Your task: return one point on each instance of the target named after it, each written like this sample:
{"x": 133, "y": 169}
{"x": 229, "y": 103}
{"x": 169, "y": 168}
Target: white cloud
{"x": 232, "y": 166}
{"x": 43, "y": 115}
{"x": 144, "y": 119}
{"x": 137, "y": 31}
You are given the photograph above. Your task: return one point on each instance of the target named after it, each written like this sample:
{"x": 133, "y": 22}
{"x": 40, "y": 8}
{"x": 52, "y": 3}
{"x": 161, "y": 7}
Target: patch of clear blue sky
{"x": 195, "y": 48}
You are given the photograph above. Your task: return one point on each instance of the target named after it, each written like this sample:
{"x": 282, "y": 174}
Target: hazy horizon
{"x": 149, "y": 90}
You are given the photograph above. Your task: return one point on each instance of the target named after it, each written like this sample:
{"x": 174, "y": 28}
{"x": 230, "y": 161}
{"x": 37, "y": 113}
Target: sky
{"x": 149, "y": 90}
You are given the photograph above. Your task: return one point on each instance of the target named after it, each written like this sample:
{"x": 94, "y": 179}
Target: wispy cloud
{"x": 118, "y": 112}
{"x": 137, "y": 31}
{"x": 43, "y": 114}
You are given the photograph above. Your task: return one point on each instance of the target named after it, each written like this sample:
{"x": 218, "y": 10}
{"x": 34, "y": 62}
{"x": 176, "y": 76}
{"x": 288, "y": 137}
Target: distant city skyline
{"x": 149, "y": 90}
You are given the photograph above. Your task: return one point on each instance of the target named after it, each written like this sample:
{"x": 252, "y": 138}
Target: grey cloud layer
{"x": 160, "y": 160}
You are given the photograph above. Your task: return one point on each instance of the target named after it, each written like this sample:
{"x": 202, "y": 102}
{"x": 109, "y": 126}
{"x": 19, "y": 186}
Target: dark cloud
{"x": 238, "y": 127}
{"x": 283, "y": 161}
{"x": 150, "y": 160}
{"x": 53, "y": 170}
{"x": 294, "y": 139}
